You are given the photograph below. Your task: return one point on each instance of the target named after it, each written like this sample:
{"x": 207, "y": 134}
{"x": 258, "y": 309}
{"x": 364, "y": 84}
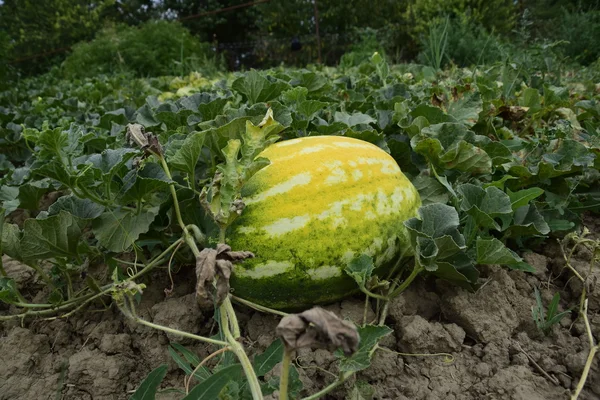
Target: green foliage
{"x": 581, "y": 30}
{"x": 147, "y": 389}
{"x": 155, "y": 48}
{"x": 497, "y": 15}
{"x": 35, "y": 30}
{"x": 545, "y": 319}
{"x": 499, "y": 156}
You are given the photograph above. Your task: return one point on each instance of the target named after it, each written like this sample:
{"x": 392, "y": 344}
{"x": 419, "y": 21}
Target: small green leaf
{"x": 201, "y": 373}
{"x": 370, "y": 335}
{"x": 148, "y": 388}
{"x": 8, "y": 291}
{"x": 360, "y": 268}
{"x": 266, "y": 361}
{"x": 211, "y": 387}
{"x": 11, "y": 240}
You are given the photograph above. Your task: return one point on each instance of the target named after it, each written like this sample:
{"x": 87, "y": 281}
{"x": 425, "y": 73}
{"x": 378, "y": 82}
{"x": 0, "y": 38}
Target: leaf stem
{"x": 238, "y": 350}
{"x": 188, "y": 380}
{"x": 130, "y": 312}
{"x": 593, "y": 349}
{"x": 285, "y": 374}
{"x": 257, "y": 307}
{"x": 417, "y": 269}
{"x": 165, "y": 167}
{"x": 341, "y": 379}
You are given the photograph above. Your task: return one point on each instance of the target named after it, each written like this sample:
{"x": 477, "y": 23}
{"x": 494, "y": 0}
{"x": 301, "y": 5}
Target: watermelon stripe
{"x": 322, "y": 201}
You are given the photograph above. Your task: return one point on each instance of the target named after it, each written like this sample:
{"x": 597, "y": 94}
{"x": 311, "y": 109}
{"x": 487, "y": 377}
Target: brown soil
{"x": 498, "y": 351}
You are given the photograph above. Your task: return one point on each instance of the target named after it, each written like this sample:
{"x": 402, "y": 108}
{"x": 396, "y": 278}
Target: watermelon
{"x": 322, "y": 201}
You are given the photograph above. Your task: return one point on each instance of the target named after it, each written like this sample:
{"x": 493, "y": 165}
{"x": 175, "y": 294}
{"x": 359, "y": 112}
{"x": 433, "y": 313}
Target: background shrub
{"x": 155, "y": 48}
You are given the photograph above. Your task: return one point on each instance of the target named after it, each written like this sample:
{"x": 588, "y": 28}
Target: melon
{"x": 322, "y": 201}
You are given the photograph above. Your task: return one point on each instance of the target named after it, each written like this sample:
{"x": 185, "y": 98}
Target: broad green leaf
{"x": 484, "y": 205}
{"x": 466, "y": 157}
{"x": 148, "y": 388}
{"x": 295, "y": 95}
{"x": 117, "y": 230}
{"x": 145, "y": 116}
{"x": 311, "y": 81}
{"x": 466, "y": 109}
{"x": 493, "y": 251}
{"x": 266, "y": 361}
{"x": 459, "y": 270}
{"x": 531, "y": 98}
{"x": 527, "y": 221}
{"x": 186, "y": 158}
{"x": 523, "y": 197}
{"x": 309, "y": 108}
{"x": 109, "y": 161}
{"x": 498, "y": 152}
{"x": 436, "y": 220}
{"x": 352, "y": 120}
{"x": 140, "y": 184}
{"x": 430, "y": 190}
{"x": 56, "y": 171}
{"x": 31, "y": 193}
{"x": 434, "y": 115}
{"x": 258, "y": 88}
{"x": 211, "y": 387}
{"x": 370, "y": 335}
{"x": 360, "y": 268}
{"x": 80, "y": 208}
{"x": 55, "y": 236}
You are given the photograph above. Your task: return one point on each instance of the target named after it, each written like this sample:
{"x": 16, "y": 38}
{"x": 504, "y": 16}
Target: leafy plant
{"x": 155, "y": 48}
{"x": 544, "y": 320}
{"x": 498, "y": 160}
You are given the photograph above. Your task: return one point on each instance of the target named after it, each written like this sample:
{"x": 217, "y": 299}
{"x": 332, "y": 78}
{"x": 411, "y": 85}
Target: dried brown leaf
{"x": 215, "y": 263}
{"x": 318, "y": 328}
{"x": 512, "y": 113}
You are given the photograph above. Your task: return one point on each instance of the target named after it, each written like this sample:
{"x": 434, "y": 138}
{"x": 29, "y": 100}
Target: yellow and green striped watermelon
{"x": 322, "y": 201}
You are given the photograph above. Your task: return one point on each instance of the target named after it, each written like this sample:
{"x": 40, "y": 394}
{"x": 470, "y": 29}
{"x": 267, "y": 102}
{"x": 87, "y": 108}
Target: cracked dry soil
{"x": 498, "y": 351}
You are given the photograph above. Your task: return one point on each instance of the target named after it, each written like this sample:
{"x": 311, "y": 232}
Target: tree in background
{"x": 36, "y": 28}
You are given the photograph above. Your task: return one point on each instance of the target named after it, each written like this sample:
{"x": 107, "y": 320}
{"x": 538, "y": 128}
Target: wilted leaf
{"x": 318, "y": 328}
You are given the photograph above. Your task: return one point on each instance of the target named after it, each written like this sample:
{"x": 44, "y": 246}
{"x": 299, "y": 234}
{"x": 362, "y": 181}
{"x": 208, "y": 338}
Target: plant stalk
{"x": 285, "y": 375}
{"x": 342, "y": 378}
{"x": 238, "y": 350}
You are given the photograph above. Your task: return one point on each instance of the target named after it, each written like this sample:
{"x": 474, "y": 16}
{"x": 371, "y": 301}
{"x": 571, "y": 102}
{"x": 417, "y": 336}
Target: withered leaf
{"x": 215, "y": 263}
{"x": 512, "y": 113}
{"x": 318, "y": 328}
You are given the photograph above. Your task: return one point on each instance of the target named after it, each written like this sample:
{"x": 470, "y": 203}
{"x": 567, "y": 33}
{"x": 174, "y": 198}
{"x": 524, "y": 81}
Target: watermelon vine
{"x": 125, "y": 178}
